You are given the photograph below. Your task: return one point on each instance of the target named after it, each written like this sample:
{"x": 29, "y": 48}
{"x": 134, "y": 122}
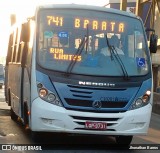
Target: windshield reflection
{"x": 62, "y": 32}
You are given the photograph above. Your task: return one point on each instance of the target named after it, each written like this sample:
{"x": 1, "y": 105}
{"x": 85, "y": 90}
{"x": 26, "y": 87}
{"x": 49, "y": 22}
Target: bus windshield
{"x": 105, "y": 36}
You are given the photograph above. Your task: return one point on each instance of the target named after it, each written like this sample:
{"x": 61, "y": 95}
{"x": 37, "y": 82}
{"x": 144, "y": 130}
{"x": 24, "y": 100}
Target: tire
{"x": 26, "y": 120}
{"x": 124, "y": 140}
{"x": 9, "y": 98}
{"x": 1, "y": 86}
{"x": 14, "y": 117}
{"x": 36, "y": 136}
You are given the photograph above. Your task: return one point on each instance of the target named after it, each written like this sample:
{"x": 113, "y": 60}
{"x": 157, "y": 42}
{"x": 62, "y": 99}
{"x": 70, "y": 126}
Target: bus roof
{"x": 88, "y": 7}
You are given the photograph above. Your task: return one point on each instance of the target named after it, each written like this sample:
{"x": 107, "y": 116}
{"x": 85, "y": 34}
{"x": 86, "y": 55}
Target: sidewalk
{"x": 3, "y": 104}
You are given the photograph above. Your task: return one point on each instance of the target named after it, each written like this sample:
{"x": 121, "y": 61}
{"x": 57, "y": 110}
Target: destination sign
{"x": 81, "y": 23}
{"x": 58, "y": 54}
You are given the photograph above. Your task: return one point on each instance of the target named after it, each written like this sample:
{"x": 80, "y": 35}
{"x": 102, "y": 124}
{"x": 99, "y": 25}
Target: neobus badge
{"x": 96, "y": 84}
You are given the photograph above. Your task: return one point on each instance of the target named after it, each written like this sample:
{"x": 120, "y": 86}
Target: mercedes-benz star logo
{"x": 97, "y": 104}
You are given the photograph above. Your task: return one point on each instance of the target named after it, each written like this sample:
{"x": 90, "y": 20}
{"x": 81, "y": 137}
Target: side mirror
{"x": 153, "y": 43}
{"x": 153, "y": 40}
{"x": 24, "y": 54}
{"x": 25, "y": 32}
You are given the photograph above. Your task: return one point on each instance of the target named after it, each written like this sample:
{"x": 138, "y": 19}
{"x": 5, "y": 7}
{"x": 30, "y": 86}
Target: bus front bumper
{"x": 46, "y": 117}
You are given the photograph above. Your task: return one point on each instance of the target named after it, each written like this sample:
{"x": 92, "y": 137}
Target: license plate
{"x": 96, "y": 125}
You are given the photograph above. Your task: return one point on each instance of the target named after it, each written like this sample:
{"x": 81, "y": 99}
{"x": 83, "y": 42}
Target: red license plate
{"x": 96, "y": 125}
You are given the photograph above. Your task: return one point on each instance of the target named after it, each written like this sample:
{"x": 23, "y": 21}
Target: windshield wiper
{"x": 84, "y": 41}
{"x": 75, "y": 56}
{"x": 87, "y": 39}
{"x": 113, "y": 53}
{"x": 110, "y": 47}
{"x": 116, "y": 55}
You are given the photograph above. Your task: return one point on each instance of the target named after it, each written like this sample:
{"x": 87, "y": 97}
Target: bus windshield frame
{"x": 61, "y": 31}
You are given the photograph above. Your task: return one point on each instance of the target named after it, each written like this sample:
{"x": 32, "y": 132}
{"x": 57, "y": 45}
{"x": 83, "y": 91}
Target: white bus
{"x": 81, "y": 70}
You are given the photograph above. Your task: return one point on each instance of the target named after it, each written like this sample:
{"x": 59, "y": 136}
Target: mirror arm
{"x": 149, "y": 29}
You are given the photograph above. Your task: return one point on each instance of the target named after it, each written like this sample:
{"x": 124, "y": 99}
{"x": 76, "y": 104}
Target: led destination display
{"x": 83, "y": 22}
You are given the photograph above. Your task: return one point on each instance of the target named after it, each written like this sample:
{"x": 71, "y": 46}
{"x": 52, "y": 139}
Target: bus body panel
{"x": 57, "y": 119}
{"x": 26, "y": 92}
{"x": 14, "y": 84}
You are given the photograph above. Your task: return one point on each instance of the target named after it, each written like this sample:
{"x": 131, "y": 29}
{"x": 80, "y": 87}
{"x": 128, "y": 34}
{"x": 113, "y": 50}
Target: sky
{"x": 20, "y": 7}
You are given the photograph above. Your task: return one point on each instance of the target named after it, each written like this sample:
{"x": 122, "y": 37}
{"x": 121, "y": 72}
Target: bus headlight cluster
{"x": 142, "y": 101}
{"x": 47, "y": 95}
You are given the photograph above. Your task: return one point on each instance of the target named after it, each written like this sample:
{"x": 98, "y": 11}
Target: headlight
{"x": 51, "y": 97}
{"x": 47, "y": 95}
{"x": 146, "y": 96}
{"x": 138, "y": 102}
{"x": 43, "y": 92}
{"x": 141, "y": 101}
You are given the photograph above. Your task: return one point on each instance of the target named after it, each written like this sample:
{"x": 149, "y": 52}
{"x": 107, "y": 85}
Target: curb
{"x": 2, "y": 100}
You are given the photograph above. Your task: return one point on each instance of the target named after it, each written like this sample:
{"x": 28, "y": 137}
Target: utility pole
{"x": 13, "y": 19}
{"x": 123, "y": 5}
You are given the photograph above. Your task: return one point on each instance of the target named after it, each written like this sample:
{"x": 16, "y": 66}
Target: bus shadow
{"x": 50, "y": 141}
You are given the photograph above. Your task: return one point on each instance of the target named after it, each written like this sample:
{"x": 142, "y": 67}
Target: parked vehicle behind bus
{"x": 1, "y": 76}
{"x": 81, "y": 70}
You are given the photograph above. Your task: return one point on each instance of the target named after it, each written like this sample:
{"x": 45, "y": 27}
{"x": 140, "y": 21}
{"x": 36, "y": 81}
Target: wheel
{"x": 36, "y": 136}
{"x": 40, "y": 137}
{"x": 124, "y": 140}
{"x": 1, "y": 86}
{"x": 26, "y": 120}
{"x": 9, "y": 98}
{"x": 14, "y": 117}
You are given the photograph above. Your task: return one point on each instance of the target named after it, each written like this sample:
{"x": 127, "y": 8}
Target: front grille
{"x": 88, "y": 103}
{"x": 82, "y": 98}
{"x": 96, "y": 110}
{"x": 81, "y": 93}
{"x": 94, "y": 129}
{"x": 94, "y": 88}
{"x": 81, "y": 120}
{"x": 82, "y": 123}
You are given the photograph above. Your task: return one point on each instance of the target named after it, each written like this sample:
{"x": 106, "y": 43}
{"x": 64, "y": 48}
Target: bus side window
{"x": 14, "y": 46}
{"x": 24, "y": 42}
{"x": 20, "y": 43}
{"x": 25, "y": 32}
{"x": 20, "y": 51}
{"x": 9, "y": 54}
{"x": 18, "y": 46}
